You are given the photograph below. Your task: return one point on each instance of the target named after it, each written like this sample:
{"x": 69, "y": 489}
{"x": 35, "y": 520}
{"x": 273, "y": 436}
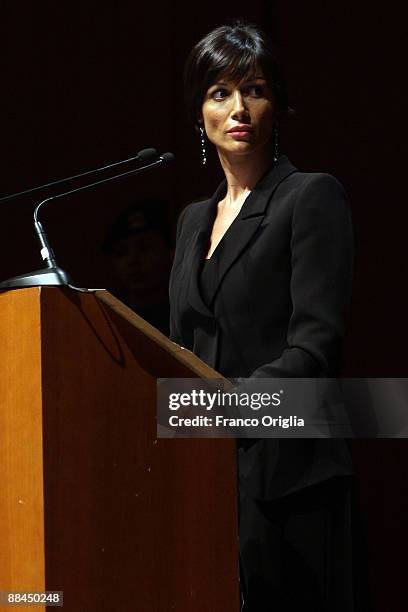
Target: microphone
{"x": 143, "y": 156}
{"x": 167, "y": 158}
{"x": 53, "y": 275}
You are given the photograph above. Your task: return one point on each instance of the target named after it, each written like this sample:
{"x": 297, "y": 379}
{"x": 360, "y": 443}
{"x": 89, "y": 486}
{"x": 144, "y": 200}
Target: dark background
{"x": 82, "y": 87}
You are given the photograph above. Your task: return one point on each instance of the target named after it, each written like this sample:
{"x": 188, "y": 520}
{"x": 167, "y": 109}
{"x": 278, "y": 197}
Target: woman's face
{"x": 238, "y": 117}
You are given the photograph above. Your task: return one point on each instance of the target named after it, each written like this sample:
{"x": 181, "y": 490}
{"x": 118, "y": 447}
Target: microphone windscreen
{"x": 147, "y": 155}
{"x": 167, "y": 158}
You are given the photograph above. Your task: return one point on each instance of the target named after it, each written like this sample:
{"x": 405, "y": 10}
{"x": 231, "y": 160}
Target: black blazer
{"x": 278, "y": 308}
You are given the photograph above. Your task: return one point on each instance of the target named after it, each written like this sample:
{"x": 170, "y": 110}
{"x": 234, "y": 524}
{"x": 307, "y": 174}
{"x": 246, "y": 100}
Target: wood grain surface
{"x": 21, "y": 460}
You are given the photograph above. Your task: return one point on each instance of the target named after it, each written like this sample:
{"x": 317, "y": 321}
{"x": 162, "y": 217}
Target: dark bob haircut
{"x": 234, "y": 50}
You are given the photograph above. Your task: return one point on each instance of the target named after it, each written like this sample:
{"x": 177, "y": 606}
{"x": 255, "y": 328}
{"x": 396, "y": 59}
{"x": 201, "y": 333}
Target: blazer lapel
{"x": 238, "y": 235}
{"x": 198, "y": 247}
{"x": 244, "y": 226}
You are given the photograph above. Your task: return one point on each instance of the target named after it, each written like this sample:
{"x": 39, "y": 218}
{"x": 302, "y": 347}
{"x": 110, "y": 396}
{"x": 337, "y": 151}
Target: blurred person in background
{"x": 138, "y": 246}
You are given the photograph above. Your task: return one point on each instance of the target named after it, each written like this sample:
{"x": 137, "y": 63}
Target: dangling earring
{"x": 275, "y": 142}
{"x": 203, "y": 151}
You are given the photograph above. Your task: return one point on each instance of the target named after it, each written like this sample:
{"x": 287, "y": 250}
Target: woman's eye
{"x": 219, "y": 94}
{"x": 255, "y": 90}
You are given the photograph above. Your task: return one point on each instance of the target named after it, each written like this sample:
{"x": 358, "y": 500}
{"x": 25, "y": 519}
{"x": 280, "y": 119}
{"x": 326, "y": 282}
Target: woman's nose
{"x": 238, "y": 103}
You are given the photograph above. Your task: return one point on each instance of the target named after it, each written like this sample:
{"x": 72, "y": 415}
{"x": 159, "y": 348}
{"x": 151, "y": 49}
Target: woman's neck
{"x": 242, "y": 173}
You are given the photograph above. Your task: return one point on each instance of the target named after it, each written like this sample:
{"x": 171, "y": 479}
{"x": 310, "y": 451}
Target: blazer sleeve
{"x": 175, "y": 335}
{"x": 322, "y": 264}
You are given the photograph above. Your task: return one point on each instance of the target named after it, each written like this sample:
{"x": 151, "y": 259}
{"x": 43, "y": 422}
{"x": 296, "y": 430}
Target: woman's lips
{"x": 240, "y": 133}
{"x": 241, "y": 127}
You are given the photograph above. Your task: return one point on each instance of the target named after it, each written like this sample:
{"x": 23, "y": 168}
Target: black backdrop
{"x": 85, "y": 86}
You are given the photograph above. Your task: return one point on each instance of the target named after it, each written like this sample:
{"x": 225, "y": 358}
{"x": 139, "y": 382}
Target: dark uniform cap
{"x": 141, "y": 216}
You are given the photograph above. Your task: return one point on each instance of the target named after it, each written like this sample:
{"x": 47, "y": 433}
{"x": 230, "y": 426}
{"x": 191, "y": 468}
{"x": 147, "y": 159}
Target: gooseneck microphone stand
{"x": 53, "y": 274}
{"x": 142, "y": 156}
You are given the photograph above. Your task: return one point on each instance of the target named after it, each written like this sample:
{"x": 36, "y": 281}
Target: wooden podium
{"x": 91, "y": 503}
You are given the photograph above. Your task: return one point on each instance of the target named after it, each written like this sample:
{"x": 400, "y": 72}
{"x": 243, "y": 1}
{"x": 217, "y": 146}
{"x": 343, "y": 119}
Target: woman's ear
{"x": 199, "y": 123}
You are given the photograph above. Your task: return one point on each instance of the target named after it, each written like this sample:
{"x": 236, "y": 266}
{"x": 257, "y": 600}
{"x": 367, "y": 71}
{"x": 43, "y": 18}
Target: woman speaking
{"x": 260, "y": 287}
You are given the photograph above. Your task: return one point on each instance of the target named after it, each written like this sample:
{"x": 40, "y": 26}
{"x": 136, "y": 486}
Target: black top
{"x": 209, "y": 270}
{"x": 207, "y": 280}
